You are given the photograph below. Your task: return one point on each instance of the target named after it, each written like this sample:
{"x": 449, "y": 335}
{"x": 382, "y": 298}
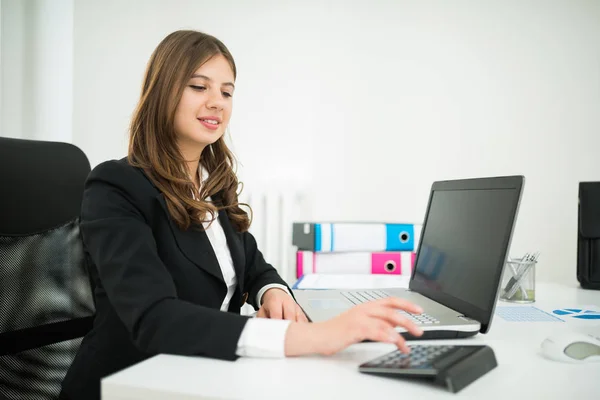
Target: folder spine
{"x": 355, "y": 236}
{"x": 318, "y": 237}
{"x": 304, "y": 236}
{"x": 375, "y": 263}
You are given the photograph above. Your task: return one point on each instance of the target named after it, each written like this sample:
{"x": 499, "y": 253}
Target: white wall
{"x": 37, "y": 69}
{"x": 12, "y": 68}
{"x": 367, "y": 102}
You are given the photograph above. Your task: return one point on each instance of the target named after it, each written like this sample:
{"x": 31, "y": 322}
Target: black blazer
{"x": 157, "y": 289}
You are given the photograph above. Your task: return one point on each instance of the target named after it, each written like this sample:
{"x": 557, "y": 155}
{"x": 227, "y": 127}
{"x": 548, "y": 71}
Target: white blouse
{"x": 261, "y": 337}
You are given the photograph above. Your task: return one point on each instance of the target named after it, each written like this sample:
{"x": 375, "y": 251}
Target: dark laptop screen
{"x": 464, "y": 243}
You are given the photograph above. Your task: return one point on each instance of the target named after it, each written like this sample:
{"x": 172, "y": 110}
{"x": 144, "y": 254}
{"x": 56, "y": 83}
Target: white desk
{"x": 522, "y": 372}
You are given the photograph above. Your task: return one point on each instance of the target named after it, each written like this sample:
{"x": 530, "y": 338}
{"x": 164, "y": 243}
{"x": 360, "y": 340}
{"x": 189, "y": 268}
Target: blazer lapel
{"x": 195, "y": 245}
{"x": 235, "y": 247}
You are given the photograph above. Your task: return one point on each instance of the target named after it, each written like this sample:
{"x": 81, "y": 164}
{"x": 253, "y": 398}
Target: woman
{"x": 170, "y": 254}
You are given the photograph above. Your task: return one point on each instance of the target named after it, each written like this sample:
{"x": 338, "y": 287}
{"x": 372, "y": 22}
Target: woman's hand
{"x": 278, "y": 304}
{"x": 373, "y": 320}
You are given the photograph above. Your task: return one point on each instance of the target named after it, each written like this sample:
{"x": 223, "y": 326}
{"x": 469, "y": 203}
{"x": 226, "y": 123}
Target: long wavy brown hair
{"x": 152, "y": 140}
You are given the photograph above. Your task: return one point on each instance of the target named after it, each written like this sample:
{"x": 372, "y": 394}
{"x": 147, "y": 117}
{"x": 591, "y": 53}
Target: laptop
{"x": 464, "y": 243}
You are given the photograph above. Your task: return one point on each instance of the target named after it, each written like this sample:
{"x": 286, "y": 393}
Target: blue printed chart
{"x": 578, "y": 313}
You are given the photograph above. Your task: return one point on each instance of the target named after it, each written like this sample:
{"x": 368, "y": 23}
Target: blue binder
{"x": 355, "y": 236}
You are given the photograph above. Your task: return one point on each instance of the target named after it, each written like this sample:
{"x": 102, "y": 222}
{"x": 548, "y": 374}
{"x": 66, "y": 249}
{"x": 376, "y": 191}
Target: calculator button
{"x": 450, "y": 358}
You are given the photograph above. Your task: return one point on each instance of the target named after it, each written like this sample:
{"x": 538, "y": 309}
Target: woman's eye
{"x": 199, "y": 88}
{"x": 227, "y": 94}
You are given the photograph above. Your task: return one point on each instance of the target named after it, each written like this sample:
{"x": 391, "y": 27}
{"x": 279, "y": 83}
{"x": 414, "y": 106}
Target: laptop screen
{"x": 463, "y": 247}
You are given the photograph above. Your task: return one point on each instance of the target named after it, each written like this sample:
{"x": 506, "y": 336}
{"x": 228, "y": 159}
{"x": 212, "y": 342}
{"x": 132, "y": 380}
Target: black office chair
{"x": 46, "y": 303}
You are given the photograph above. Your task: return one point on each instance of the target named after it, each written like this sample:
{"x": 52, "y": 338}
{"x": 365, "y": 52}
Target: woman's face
{"x": 205, "y": 106}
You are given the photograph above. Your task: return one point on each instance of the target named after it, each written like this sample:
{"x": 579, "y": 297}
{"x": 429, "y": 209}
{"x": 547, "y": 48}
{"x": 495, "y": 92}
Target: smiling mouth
{"x": 209, "y": 121}
{"x": 211, "y": 124}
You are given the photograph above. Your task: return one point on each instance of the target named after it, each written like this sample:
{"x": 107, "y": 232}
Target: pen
{"x": 531, "y": 261}
{"x": 515, "y": 271}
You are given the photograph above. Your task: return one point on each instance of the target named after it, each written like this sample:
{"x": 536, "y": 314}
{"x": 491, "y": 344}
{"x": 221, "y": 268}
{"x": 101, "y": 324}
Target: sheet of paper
{"x": 351, "y": 281}
{"x": 580, "y": 315}
{"x": 525, "y": 314}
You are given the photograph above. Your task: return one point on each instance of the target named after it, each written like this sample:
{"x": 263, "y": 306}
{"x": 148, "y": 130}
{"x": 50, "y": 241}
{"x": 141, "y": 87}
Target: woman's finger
{"x": 384, "y": 332}
{"x": 400, "y": 342}
{"x": 402, "y": 304}
{"x": 380, "y": 331}
{"x": 392, "y": 317}
{"x": 275, "y": 311}
{"x": 262, "y": 313}
{"x": 300, "y": 316}
{"x": 289, "y": 310}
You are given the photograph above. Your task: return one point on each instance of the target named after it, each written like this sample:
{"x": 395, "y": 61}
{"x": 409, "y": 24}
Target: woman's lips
{"x": 208, "y": 125}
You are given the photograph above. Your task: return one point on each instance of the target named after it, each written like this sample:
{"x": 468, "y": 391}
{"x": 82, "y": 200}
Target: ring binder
{"x": 380, "y": 263}
{"x": 355, "y": 236}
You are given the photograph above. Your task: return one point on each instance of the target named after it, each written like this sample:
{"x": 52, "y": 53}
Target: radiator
{"x": 273, "y": 212}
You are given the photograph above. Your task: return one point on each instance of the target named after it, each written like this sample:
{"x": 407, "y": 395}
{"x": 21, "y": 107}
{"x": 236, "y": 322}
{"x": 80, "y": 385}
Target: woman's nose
{"x": 215, "y": 100}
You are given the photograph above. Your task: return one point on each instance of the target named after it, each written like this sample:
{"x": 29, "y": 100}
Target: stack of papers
{"x": 351, "y": 281}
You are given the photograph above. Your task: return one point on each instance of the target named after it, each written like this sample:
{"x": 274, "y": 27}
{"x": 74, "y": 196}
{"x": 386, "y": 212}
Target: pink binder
{"x": 387, "y": 262}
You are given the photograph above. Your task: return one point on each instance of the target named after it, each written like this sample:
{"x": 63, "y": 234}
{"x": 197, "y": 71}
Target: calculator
{"x": 451, "y": 366}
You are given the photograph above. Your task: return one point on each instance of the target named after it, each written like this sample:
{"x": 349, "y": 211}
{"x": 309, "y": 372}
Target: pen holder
{"x": 518, "y": 281}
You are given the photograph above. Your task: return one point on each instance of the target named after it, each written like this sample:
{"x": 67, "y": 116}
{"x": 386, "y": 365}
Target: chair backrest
{"x": 46, "y": 302}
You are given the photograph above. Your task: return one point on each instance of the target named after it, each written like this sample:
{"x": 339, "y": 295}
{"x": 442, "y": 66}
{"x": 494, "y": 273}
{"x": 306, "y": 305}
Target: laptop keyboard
{"x": 362, "y": 296}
